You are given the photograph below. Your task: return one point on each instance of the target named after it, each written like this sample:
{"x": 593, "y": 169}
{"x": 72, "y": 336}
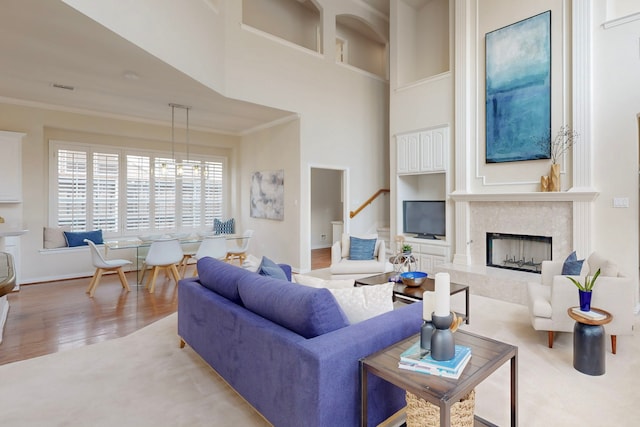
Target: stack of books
{"x": 593, "y": 315}
{"x": 418, "y": 360}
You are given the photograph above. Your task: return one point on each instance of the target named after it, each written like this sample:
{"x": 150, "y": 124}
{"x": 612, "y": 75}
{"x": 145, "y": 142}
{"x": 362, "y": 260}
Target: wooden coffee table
{"x": 487, "y": 355}
{"x": 413, "y": 294}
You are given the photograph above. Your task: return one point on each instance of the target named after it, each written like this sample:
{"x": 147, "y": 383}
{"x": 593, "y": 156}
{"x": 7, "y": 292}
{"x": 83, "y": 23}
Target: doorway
{"x": 327, "y": 212}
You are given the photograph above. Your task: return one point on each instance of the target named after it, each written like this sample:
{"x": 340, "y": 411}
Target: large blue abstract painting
{"x": 518, "y": 90}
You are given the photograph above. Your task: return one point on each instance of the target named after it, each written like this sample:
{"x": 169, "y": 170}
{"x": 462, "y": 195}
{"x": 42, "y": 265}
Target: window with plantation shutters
{"x": 138, "y": 202}
{"x": 212, "y": 191}
{"x": 105, "y": 195}
{"x": 72, "y": 189}
{"x": 124, "y": 192}
{"x": 164, "y": 194}
{"x": 191, "y": 194}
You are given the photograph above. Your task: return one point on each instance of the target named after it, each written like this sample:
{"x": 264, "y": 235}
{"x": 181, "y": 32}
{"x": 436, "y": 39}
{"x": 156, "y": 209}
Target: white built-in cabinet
{"x": 429, "y": 253}
{"x": 423, "y": 152}
{"x": 422, "y": 173}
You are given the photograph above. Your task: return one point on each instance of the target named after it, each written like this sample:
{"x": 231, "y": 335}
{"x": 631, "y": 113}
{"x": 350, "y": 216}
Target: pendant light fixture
{"x": 179, "y": 165}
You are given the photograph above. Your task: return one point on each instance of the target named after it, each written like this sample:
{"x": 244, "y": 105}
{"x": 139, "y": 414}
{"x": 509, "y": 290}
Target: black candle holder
{"x": 442, "y": 342}
{"x": 425, "y": 335}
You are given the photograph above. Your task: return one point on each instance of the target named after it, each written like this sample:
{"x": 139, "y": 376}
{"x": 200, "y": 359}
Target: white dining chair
{"x": 101, "y": 264}
{"x": 237, "y": 247}
{"x": 188, "y": 252}
{"x": 214, "y": 247}
{"x": 163, "y": 254}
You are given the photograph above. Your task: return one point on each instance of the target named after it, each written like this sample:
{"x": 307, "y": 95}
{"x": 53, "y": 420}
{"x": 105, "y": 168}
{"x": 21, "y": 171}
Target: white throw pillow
{"x": 316, "y": 282}
{"x": 364, "y": 302}
{"x": 54, "y": 237}
{"x": 251, "y": 263}
{"x": 609, "y": 269}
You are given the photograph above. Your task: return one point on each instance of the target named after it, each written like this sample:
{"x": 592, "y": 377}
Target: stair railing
{"x": 368, "y": 202}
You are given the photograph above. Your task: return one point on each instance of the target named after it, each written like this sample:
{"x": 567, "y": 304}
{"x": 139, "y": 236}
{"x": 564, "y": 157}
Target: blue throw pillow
{"x": 76, "y": 238}
{"x": 572, "y": 266}
{"x": 361, "y": 249}
{"x": 271, "y": 269}
{"x": 224, "y": 227}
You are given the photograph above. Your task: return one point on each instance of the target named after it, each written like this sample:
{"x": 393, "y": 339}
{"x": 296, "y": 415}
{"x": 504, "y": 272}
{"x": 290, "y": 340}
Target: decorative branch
{"x": 563, "y": 141}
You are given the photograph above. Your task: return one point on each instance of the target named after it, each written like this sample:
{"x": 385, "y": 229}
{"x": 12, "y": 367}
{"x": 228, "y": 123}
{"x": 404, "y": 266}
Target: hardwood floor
{"x": 320, "y": 258}
{"x": 50, "y": 317}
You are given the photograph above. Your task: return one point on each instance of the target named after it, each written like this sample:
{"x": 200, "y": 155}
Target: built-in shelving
{"x": 422, "y": 174}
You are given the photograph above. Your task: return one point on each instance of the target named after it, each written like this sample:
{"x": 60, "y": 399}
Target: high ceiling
{"x": 46, "y": 42}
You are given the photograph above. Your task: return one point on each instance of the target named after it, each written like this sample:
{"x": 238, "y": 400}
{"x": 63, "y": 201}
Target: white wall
{"x": 617, "y": 9}
{"x": 40, "y": 125}
{"x": 343, "y": 113}
{"x": 284, "y": 18}
{"x": 616, "y": 105}
{"x": 188, "y": 34}
{"x": 272, "y": 149}
{"x": 363, "y": 52}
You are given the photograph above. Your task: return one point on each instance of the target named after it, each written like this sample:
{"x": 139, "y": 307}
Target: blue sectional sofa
{"x": 288, "y": 349}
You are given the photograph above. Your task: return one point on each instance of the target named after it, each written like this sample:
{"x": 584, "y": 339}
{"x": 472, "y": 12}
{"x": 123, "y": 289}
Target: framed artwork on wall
{"x": 267, "y": 195}
{"x": 518, "y": 90}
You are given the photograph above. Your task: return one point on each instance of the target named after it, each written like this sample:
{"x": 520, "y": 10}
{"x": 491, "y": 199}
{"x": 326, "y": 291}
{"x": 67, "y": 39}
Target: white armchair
{"x": 342, "y": 265}
{"x": 550, "y": 299}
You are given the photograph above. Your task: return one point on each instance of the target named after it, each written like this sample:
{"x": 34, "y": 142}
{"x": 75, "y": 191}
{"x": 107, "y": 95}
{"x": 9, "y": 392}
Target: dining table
{"x": 189, "y": 244}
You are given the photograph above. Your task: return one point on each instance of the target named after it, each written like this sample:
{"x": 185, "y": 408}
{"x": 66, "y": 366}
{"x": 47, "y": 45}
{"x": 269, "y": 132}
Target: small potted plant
{"x": 584, "y": 290}
{"x": 406, "y": 249}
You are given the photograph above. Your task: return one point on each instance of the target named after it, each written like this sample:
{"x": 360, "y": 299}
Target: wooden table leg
{"x": 466, "y": 297}
{"x": 514, "y": 390}
{"x": 363, "y": 395}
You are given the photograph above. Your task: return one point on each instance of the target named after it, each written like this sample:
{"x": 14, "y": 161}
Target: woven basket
{"x": 421, "y": 413}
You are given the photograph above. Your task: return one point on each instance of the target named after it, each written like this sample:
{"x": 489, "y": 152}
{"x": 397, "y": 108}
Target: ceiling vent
{"x": 61, "y": 86}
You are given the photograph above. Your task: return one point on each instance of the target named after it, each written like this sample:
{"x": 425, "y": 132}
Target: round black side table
{"x": 589, "y": 341}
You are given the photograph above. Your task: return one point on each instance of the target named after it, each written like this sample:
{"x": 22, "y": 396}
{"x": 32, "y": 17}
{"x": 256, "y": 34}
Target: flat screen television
{"x": 424, "y": 218}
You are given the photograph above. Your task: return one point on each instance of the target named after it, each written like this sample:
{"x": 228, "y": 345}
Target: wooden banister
{"x": 368, "y": 202}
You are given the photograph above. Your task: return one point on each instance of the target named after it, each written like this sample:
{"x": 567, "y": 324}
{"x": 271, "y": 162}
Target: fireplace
{"x": 517, "y": 251}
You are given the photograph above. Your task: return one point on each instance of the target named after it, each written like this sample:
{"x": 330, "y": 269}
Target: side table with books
{"x": 418, "y": 360}
{"x": 440, "y": 390}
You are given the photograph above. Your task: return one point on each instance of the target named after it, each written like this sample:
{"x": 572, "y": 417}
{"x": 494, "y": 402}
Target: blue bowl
{"x": 413, "y": 278}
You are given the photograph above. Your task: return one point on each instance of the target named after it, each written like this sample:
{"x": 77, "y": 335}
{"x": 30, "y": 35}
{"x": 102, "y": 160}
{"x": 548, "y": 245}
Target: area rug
{"x": 145, "y": 379}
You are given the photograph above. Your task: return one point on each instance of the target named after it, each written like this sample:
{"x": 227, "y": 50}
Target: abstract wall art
{"x": 267, "y": 195}
{"x": 518, "y": 90}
